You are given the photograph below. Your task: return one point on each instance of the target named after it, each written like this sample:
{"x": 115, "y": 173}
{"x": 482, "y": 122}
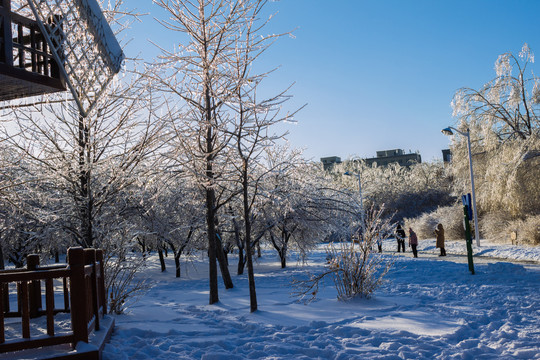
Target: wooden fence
{"x": 83, "y": 297}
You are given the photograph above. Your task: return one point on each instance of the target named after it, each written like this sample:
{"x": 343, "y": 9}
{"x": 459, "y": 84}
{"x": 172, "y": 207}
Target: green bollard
{"x": 468, "y": 238}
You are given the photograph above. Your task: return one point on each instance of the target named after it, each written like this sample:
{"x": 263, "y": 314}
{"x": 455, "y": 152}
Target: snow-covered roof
{"x": 98, "y": 25}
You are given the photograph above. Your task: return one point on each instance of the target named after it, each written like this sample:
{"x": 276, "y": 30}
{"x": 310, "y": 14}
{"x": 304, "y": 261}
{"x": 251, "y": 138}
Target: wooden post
{"x": 33, "y": 46}
{"x": 90, "y": 259}
{"x": 25, "y": 311}
{"x": 55, "y": 22}
{"x": 32, "y": 263}
{"x": 2, "y": 337}
{"x": 5, "y": 288}
{"x": 7, "y": 54}
{"x": 66, "y": 294}
{"x": 101, "y": 282}
{"x": 21, "y": 43}
{"x": 49, "y": 303}
{"x": 78, "y": 295}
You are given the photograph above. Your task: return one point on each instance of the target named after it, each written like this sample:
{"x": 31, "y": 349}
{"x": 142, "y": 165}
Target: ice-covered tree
{"x": 404, "y": 191}
{"x": 505, "y": 134}
{"x": 203, "y": 78}
{"x": 85, "y": 162}
{"x": 296, "y": 203}
{"x": 253, "y": 132}
{"x": 505, "y": 107}
{"x": 169, "y": 212}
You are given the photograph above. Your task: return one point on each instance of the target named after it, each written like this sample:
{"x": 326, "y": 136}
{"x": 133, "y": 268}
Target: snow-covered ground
{"x": 430, "y": 308}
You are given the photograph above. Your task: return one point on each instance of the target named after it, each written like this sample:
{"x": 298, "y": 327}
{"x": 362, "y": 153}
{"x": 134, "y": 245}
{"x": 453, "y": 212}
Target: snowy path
{"x": 427, "y": 310}
{"x": 486, "y": 253}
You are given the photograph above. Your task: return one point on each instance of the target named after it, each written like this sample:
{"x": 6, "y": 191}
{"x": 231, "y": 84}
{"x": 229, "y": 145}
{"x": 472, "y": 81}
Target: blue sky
{"x": 380, "y": 74}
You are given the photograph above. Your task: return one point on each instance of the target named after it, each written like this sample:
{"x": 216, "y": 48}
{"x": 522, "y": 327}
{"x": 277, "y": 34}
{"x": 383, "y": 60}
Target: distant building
{"x": 446, "y": 156}
{"x": 399, "y": 156}
{"x": 329, "y": 162}
{"x": 383, "y": 158}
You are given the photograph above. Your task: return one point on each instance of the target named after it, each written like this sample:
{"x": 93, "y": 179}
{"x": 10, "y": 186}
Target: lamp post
{"x": 363, "y": 224}
{"x": 448, "y": 131}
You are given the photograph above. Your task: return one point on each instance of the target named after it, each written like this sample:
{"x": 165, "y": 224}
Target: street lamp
{"x": 361, "y": 202}
{"x": 448, "y": 131}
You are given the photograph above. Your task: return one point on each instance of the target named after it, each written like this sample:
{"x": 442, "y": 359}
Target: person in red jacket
{"x": 413, "y": 242}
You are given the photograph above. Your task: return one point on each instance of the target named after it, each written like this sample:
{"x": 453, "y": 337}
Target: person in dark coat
{"x": 413, "y": 242}
{"x": 439, "y": 233}
{"x": 400, "y": 237}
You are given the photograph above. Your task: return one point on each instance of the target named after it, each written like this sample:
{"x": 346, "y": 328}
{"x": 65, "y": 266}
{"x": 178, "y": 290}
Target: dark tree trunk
{"x": 240, "y": 245}
{"x": 249, "y": 254}
{"x": 283, "y": 257}
{"x": 223, "y": 263}
{"x": 241, "y": 262}
{"x": 212, "y": 258}
{"x": 142, "y": 244}
{"x": 177, "y": 263}
{"x": 281, "y": 248}
{"x": 161, "y": 259}
{"x": 223, "y": 249}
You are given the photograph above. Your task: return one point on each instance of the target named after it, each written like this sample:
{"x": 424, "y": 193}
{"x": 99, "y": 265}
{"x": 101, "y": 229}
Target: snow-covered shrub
{"x": 122, "y": 272}
{"x": 357, "y": 270}
{"x": 529, "y": 231}
{"x": 496, "y": 227}
{"x": 121, "y": 282}
{"x": 355, "y": 267}
{"x": 450, "y": 216}
{"x": 423, "y": 225}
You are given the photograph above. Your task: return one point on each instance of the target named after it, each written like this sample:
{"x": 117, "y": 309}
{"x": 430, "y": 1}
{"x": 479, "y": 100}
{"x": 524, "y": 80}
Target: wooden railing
{"x": 83, "y": 287}
{"x": 23, "y": 45}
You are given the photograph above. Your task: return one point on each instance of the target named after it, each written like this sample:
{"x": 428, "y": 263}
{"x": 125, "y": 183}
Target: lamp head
{"x": 447, "y": 131}
{"x": 347, "y": 173}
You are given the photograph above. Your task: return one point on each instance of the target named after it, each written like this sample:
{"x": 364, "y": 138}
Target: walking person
{"x": 413, "y": 242}
{"x": 439, "y": 233}
{"x": 379, "y": 242}
{"x": 400, "y": 237}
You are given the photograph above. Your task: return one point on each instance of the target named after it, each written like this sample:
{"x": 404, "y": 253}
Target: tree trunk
{"x": 161, "y": 259}
{"x": 281, "y": 248}
{"x": 223, "y": 263}
{"x": 283, "y": 256}
{"x": 240, "y": 246}
{"x": 212, "y": 264}
{"x": 247, "y": 221}
{"x": 177, "y": 263}
{"x": 142, "y": 244}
